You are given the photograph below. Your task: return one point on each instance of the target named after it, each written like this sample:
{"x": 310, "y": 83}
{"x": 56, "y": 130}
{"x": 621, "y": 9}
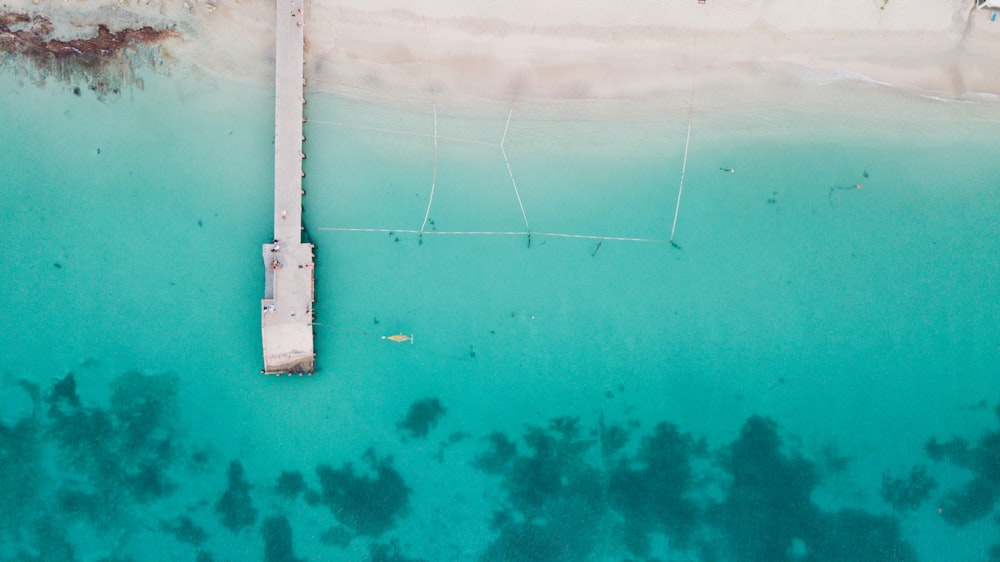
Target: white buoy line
{"x": 687, "y": 141}
{"x": 493, "y": 233}
{"x": 434, "y": 174}
{"x": 436, "y": 138}
{"x": 401, "y": 132}
{"x": 503, "y": 140}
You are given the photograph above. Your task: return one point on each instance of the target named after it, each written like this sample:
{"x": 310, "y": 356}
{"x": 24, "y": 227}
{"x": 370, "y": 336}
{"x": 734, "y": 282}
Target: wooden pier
{"x": 287, "y": 307}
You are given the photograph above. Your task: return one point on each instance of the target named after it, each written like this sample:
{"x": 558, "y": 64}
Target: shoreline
{"x": 645, "y": 53}
{"x": 467, "y": 60}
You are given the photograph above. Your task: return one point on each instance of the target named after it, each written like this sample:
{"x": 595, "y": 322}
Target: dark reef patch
{"x": 290, "y": 484}
{"x": 235, "y": 507}
{"x": 277, "y": 535}
{"x": 568, "y": 491}
{"x": 143, "y": 406}
{"x": 185, "y": 530}
{"x": 22, "y": 476}
{"x": 125, "y": 450}
{"x": 546, "y": 540}
{"x": 422, "y": 417}
{"x": 557, "y": 500}
{"x": 906, "y": 493}
{"x": 979, "y": 496}
{"x": 652, "y": 490}
{"x": 389, "y": 552}
{"x": 99, "y": 464}
{"x": 338, "y": 535}
{"x": 495, "y": 460}
{"x": 368, "y": 505}
{"x": 569, "y": 499}
{"x": 51, "y": 543}
{"x": 63, "y": 396}
{"x": 767, "y": 504}
{"x": 856, "y": 536}
{"x": 556, "y": 467}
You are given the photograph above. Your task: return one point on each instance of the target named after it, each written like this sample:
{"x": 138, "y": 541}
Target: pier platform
{"x": 286, "y": 309}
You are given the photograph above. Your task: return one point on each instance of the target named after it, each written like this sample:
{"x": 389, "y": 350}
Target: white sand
{"x": 401, "y": 51}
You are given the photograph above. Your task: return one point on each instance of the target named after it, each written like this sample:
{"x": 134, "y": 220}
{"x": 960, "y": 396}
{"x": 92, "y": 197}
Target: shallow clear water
{"x": 806, "y": 341}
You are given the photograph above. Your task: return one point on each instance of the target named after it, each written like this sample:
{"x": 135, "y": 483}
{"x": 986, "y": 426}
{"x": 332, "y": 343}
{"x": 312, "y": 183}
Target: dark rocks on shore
{"x": 98, "y": 60}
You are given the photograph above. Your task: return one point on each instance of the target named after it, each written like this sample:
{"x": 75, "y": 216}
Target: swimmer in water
{"x": 727, "y": 170}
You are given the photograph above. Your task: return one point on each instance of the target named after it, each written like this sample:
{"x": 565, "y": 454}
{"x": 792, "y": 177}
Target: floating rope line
{"x": 430, "y": 83}
{"x": 400, "y": 132}
{"x": 494, "y": 233}
{"x": 503, "y": 151}
{"x": 430, "y": 199}
{"x": 687, "y": 142}
{"x": 680, "y": 190}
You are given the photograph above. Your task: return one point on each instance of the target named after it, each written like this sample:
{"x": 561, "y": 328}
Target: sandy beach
{"x": 400, "y": 52}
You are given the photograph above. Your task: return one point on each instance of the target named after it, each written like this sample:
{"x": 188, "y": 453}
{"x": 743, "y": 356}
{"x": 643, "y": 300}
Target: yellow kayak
{"x": 399, "y": 338}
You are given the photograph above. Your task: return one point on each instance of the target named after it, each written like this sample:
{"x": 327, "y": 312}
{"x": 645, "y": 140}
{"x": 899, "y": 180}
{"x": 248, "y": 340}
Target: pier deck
{"x": 286, "y": 310}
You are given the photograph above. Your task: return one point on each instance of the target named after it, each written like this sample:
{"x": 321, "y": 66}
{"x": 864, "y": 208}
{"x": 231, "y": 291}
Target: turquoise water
{"x": 803, "y": 346}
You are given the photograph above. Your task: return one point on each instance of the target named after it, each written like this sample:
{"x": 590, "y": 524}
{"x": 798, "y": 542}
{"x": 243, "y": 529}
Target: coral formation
{"x": 906, "y": 493}
{"x": 563, "y": 502}
{"x": 368, "y": 505}
{"x": 290, "y": 484}
{"x": 979, "y": 496}
{"x": 235, "y": 507}
{"x": 422, "y": 417}
{"x": 389, "y": 552}
{"x": 277, "y": 534}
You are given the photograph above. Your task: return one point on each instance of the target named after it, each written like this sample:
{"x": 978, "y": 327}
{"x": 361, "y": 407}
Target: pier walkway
{"x": 286, "y": 310}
